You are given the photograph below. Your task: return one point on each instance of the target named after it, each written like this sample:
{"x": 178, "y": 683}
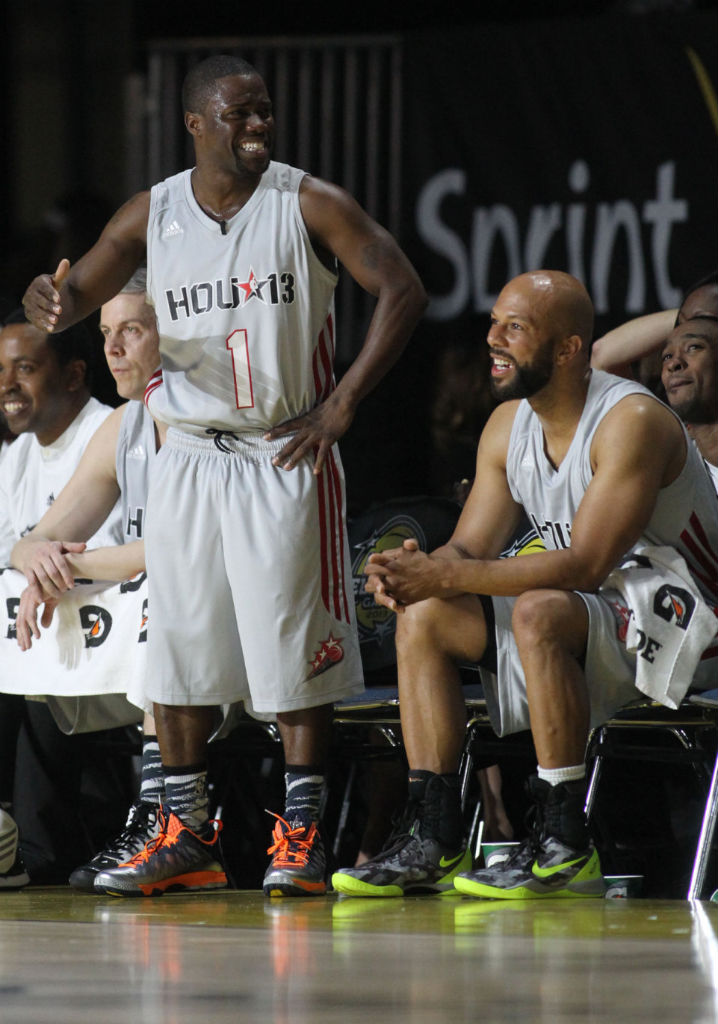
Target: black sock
{"x": 418, "y": 780}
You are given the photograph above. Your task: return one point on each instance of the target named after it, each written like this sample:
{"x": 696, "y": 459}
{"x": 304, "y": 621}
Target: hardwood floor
{"x": 68, "y": 958}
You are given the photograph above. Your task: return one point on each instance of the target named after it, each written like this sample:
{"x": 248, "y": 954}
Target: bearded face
{"x": 511, "y": 379}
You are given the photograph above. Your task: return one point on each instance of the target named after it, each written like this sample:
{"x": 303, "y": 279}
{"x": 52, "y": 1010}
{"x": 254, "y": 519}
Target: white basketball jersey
{"x": 32, "y": 475}
{"x": 136, "y": 450}
{"x": 245, "y": 310}
{"x": 685, "y": 516}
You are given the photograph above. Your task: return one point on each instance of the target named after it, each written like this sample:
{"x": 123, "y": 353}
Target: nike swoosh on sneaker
{"x": 451, "y": 862}
{"x": 539, "y": 872}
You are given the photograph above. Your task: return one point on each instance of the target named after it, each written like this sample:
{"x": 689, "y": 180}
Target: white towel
{"x": 94, "y": 645}
{"x": 669, "y": 623}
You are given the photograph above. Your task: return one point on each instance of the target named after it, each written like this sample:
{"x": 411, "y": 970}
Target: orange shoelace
{"x": 291, "y": 846}
{"x": 170, "y": 828}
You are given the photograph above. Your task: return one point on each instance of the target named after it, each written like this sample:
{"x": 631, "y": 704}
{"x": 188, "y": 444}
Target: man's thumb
{"x": 63, "y": 269}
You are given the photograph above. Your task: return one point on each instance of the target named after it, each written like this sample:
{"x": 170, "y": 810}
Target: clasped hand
{"x": 49, "y": 575}
{"x": 401, "y": 576}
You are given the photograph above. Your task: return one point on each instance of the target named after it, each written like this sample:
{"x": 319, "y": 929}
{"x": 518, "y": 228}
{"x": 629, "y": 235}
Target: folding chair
{"x": 693, "y": 728}
{"x": 367, "y": 727}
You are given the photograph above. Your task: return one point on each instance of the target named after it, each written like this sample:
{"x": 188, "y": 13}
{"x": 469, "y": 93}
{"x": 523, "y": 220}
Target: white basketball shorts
{"x": 609, "y": 669}
{"x": 250, "y": 588}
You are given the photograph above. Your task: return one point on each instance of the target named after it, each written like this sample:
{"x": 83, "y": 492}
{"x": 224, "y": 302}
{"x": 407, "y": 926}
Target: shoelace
{"x": 126, "y": 840}
{"x": 291, "y": 845}
{"x": 534, "y": 822}
{"x": 217, "y": 436}
{"x": 152, "y": 844}
{"x": 404, "y": 823}
{"x": 164, "y": 837}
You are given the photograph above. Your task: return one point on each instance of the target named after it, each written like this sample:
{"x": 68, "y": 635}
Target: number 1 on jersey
{"x": 239, "y": 347}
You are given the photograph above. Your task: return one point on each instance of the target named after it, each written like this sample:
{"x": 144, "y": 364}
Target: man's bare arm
{"x": 487, "y": 521}
{"x": 55, "y": 301}
{"x": 337, "y": 224}
{"x": 114, "y": 564}
{"x": 629, "y": 342}
{"x": 638, "y": 449}
{"x": 77, "y": 513}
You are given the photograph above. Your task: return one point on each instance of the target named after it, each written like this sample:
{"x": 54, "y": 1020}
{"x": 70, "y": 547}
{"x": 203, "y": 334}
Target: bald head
{"x": 541, "y": 326}
{"x": 560, "y": 301}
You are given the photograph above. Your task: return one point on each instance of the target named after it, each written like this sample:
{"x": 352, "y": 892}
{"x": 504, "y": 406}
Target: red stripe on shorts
{"x": 321, "y": 503}
{"x": 340, "y": 594}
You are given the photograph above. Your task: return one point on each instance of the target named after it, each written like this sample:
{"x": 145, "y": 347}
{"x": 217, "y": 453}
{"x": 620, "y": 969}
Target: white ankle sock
{"x": 554, "y": 776}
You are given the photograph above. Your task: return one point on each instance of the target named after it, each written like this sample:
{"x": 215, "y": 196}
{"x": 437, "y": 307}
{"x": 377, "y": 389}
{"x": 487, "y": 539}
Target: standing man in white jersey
{"x": 250, "y": 582}
{"x": 624, "y": 596}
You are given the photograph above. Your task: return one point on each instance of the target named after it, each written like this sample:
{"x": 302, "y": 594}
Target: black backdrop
{"x": 588, "y": 146}
{"x": 585, "y": 145}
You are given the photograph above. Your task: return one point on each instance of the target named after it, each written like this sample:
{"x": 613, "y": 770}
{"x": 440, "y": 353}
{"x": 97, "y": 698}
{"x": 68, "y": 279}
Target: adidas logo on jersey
{"x": 172, "y": 229}
{"x": 138, "y": 452}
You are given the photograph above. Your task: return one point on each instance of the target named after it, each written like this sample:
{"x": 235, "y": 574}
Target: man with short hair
{"x": 627, "y": 512}
{"x": 689, "y": 361}
{"x": 115, "y": 466}
{"x": 242, "y": 257}
{"x": 687, "y": 367}
{"x": 46, "y": 399}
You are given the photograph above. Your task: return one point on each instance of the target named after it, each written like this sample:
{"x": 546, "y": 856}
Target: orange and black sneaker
{"x": 299, "y": 865}
{"x": 176, "y": 860}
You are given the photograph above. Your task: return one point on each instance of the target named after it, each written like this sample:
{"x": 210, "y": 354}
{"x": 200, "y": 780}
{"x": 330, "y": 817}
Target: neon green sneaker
{"x": 411, "y": 864}
{"x": 538, "y": 869}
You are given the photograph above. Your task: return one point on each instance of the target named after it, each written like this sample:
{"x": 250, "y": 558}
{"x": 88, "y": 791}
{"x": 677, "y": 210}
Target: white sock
{"x": 554, "y": 776}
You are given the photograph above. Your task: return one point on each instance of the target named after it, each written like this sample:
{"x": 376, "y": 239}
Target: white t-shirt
{"x": 32, "y": 475}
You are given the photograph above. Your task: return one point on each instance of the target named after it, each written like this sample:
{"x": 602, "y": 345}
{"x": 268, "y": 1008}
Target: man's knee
{"x": 454, "y": 627}
{"x": 421, "y": 623}
{"x": 554, "y": 616}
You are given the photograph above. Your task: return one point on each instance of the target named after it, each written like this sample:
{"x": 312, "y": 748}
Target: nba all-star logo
{"x": 330, "y": 652}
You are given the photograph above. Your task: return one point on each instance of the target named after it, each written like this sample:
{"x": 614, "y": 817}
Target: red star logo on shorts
{"x": 330, "y": 652}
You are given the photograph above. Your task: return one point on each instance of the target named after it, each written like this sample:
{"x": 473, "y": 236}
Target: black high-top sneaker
{"x": 557, "y": 860}
{"x": 422, "y": 857}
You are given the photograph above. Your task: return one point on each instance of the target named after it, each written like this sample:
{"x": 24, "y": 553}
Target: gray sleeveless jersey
{"x": 245, "y": 310}
{"x": 685, "y": 516}
{"x": 136, "y": 448}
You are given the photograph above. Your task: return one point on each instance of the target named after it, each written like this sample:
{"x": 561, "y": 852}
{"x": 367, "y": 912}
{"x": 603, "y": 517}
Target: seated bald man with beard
{"x": 623, "y": 502}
